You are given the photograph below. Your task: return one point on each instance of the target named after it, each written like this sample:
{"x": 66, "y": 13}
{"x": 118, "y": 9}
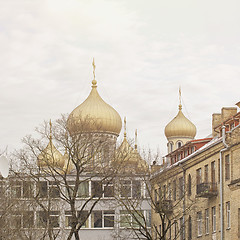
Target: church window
{"x": 179, "y": 144}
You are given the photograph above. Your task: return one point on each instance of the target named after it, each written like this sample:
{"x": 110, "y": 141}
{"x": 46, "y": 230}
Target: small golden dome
{"x": 180, "y": 126}
{"x": 51, "y": 157}
{"x": 94, "y": 115}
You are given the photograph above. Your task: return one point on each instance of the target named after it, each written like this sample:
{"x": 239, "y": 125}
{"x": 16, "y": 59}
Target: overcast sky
{"x": 143, "y": 51}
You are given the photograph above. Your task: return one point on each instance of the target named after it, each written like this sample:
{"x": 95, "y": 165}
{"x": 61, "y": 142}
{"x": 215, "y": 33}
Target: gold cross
{"x": 180, "y": 95}
{"x": 94, "y": 67}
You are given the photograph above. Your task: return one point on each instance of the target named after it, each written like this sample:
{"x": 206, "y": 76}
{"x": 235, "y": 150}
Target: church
{"x": 77, "y": 182}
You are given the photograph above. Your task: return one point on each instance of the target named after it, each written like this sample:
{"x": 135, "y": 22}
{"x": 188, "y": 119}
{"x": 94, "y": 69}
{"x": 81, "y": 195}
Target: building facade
{"x": 201, "y": 180}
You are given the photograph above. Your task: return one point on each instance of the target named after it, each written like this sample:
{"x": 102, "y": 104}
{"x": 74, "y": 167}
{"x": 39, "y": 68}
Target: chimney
{"x": 216, "y": 120}
{"x": 228, "y": 112}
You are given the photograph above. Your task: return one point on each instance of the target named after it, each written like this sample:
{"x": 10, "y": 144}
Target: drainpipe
{"x": 221, "y": 181}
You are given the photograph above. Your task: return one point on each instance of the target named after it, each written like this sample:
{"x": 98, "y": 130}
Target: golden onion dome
{"x": 51, "y": 157}
{"x": 180, "y": 126}
{"x": 94, "y": 115}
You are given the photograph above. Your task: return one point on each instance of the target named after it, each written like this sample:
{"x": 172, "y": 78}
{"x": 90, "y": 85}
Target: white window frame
{"x": 214, "y": 219}
{"x": 199, "y": 224}
{"x": 207, "y": 221}
{"x": 228, "y": 218}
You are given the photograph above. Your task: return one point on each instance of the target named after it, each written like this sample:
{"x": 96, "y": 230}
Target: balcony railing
{"x": 207, "y": 190}
{"x": 164, "y": 206}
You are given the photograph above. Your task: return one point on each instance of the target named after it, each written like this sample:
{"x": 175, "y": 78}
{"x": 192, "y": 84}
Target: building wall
{"x": 198, "y": 205}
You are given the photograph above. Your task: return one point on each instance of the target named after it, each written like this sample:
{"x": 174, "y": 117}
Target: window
{"x": 28, "y": 189}
{"x": 54, "y": 189}
{"x": 148, "y": 218}
{"x": 199, "y": 224}
{"x": 136, "y": 189}
{"x": 175, "y": 230}
{"x": 207, "y": 221}
{"x": 179, "y": 144}
{"x": 206, "y": 173}
{"x": 164, "y": 191}
{"x": 135, "y": 219}
{"x": 108, "y": 190}
{"x": 181, "y": 187}
{"x": 174, "y": 190}
{"x": 16, "y": 189}
{"x": 42, "y": 190}
{"x": 227, "y": 167}
{"x": 182, "y": 229}
{"x": 108, "y": 217}
{"x": 83, "y": 189}
{"x": 199, "y": 176}
{"x": 218, "y": 170}
{"x": 16, "y": 220}
{"x": 189, "y": 228}
{"x": 170, "y": 231}
{"x": 97, "y": 189}
{"x": 169, "y": 192}
{"x": 228, "y": 215}
{"x": 125, "y": 190}
{"x": 189, "y": 185}
{"x": 54, "y": 219}
{"x": 68, "y": 219}
{"x": 28, "y": 219}
{"x": 214, "y": 219}
{"x": 103, "y": 219}
{"x": 170, "y": 147}
{"x": 130, "y": 189}
{"x": 213, "y": 172}
{"x": 42, "y": 218}
{"x": 81, "y": 215}
{"x": 125, "y": 219}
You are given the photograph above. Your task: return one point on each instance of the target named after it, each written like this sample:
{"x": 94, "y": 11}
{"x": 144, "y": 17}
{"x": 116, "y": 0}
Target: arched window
{"x": 179, "y": 144}
{"x": 170, "y": 147}
{"x": 189, "y": 185}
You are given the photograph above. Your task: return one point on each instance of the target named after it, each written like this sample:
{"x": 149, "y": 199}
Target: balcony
{"x": 164, "y": 206}
{"x": 207, "y": 190}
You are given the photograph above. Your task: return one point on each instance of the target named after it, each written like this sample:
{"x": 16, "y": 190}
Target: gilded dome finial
{"x": 180, "y": 98}
{"x": 94, "y": 82}
{"x": 125, "y": 127}
{"x": 136, "y": 139}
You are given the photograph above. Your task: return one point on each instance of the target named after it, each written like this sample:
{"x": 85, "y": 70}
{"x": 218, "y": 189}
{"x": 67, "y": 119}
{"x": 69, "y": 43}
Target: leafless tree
{"x": 60, "y": 175}
{"x": 171, "y": 202}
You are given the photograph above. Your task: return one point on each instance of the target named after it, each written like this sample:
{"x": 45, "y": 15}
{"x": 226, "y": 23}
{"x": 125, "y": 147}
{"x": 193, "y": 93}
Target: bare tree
{"x": 71, "y": 173}
{"x": 170, "y": 201}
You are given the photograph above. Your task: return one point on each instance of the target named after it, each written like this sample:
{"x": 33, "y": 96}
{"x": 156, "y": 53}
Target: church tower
{"x": 180, "y": 130}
